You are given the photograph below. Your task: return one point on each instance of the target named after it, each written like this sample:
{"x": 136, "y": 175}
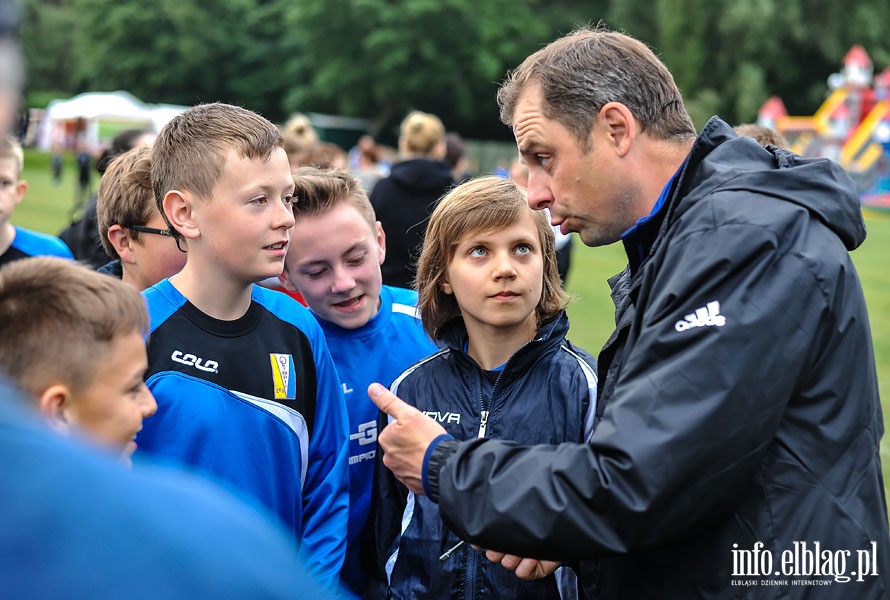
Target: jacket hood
{"x": 421, "y": 174}
{"x": 728, "y": 162}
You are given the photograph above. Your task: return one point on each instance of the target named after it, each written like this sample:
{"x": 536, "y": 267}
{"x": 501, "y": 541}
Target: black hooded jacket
{"x": 738, "y": 404}
{"x": 404, "y": 202}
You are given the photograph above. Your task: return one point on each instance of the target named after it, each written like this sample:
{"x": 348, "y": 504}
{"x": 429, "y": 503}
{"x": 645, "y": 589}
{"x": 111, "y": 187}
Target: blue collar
{"x": 662, "y": 200}
{"x": 494, "y": 370}
{"x": 640, "y": 237}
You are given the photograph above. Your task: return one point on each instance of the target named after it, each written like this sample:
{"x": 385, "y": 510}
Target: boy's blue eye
{"x": 477, "y": 251}
{"x": 523, "y": 249}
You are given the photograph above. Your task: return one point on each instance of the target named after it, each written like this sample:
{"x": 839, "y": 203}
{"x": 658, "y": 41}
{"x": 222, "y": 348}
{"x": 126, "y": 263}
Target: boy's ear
{"x": 20, "y": 189}
{"x": 446, "y": 287}
{"x": 285, "y": 281}
{"x": 53, "y": 403}
{"x": 120, "y": 238}
{"x": 178, "y": 208}
{"x": 381, "y": 242}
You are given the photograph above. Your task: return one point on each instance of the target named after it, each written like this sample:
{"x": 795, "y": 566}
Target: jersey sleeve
{"x": 326, "y": 491}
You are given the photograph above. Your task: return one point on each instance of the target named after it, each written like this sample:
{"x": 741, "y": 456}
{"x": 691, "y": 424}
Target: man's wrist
{"x": 437, "y": 453}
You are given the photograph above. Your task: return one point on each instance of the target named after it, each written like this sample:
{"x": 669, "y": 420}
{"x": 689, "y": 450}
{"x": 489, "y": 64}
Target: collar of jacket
{"x": 454, "y": 334}
{"x": 642, "y": 239}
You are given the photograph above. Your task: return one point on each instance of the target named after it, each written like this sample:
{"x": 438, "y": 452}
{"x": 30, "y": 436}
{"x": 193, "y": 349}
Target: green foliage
{"x": 380, "y": 58}
{"x": 47, "y": 34}
{"x": 42, "y": 98}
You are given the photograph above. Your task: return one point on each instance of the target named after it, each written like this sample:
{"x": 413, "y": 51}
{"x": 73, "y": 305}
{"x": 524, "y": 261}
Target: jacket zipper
{"x": 470, "y": 568}
{"x": 483, "y": 423}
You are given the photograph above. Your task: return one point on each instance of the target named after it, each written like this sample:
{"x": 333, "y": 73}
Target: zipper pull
{"x": 483, "y": 424}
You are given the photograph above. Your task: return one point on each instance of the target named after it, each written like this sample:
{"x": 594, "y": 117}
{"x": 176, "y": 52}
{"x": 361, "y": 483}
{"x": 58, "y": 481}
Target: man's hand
{"x": 527, "y": 569}
{"x": 406, "y": 438}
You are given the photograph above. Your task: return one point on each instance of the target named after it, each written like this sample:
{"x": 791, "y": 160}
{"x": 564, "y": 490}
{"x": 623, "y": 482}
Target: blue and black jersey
{"x": 256, "y": 404}
{"x": 27, "y": 243}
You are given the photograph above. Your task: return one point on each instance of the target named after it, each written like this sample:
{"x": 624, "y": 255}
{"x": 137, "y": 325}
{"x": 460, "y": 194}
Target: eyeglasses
{"x": 155, "y": 230}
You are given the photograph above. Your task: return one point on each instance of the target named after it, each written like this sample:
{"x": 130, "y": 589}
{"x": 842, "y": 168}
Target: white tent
{"x": 91, "y": 119}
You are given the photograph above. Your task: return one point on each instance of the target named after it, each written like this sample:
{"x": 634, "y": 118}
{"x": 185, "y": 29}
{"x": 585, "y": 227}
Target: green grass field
{"x": 47, "y": 207}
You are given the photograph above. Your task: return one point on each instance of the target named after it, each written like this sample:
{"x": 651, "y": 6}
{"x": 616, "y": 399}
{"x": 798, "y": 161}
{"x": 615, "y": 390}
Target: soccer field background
{"x": 47, "y": 207}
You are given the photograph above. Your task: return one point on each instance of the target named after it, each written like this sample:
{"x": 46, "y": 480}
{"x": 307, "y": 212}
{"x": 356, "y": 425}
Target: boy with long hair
{"x": 490, "y": 295}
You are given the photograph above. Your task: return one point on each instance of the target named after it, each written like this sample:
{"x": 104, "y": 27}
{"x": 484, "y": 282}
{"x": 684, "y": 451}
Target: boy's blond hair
{"x": 420, "y": 132}
{"x": 189, "y": 153}
{"x": 125, "y": 196}
{"x": 479, "y": 205}
{"x": 58, "y": 319}
{"x": 319, "y": 191}
{"x": 10, "y": 148}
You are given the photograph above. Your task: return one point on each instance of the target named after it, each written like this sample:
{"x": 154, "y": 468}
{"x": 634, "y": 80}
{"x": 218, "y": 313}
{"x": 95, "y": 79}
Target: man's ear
{"x": 120, "y": 238}
{"x": 620, "y": 126}
{"x": 286, "y": 283}
{"x": 179, "y": 210}
{"x": 381, "y": 242}
{"x": 54, "y": 403}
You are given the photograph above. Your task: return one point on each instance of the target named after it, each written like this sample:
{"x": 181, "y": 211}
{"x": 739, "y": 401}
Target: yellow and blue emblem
{"x": 284, "y": 376}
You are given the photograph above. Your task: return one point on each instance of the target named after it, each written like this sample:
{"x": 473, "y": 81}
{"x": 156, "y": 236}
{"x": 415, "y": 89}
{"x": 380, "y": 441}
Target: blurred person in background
{"x": 404, "y": 201}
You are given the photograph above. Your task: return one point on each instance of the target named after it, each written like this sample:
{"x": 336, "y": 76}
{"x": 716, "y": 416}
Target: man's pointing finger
{"x": 389, "y": 402}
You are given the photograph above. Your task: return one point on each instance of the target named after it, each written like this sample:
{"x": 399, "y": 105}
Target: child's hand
{"x": 527, "y": 569}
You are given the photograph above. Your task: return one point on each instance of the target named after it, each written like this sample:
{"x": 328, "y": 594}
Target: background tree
{"x": 378, "y": 58}
{"x": 48, "y": 37}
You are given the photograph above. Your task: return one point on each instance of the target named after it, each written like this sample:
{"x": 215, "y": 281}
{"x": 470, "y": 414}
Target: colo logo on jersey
{"x": 209, "y": 366}
{"x": 284, "y": 376}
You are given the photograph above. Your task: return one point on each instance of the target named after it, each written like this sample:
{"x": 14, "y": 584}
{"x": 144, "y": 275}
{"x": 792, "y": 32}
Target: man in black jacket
{"x": 736, "y": 450}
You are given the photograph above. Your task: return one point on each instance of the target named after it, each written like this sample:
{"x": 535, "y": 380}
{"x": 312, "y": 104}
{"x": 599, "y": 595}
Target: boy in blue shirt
{"x": 372, "y": 330}
{"x": 72, "y": 340}
{"x": 16, "y": 242}
{"x": 247, "y": 392}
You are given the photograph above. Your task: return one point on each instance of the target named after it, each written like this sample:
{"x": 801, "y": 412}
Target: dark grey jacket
{"x": 739, "y": 403}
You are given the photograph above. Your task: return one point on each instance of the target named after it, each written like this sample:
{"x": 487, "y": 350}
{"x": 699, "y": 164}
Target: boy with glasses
{"x": 131, "y": 227}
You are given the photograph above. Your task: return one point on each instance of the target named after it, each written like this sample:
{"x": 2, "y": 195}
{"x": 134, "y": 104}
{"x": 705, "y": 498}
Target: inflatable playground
{"x": 852, "y": 126}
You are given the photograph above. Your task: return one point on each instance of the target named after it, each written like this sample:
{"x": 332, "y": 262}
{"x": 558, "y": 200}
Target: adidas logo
{"x": 706, "y": 316}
